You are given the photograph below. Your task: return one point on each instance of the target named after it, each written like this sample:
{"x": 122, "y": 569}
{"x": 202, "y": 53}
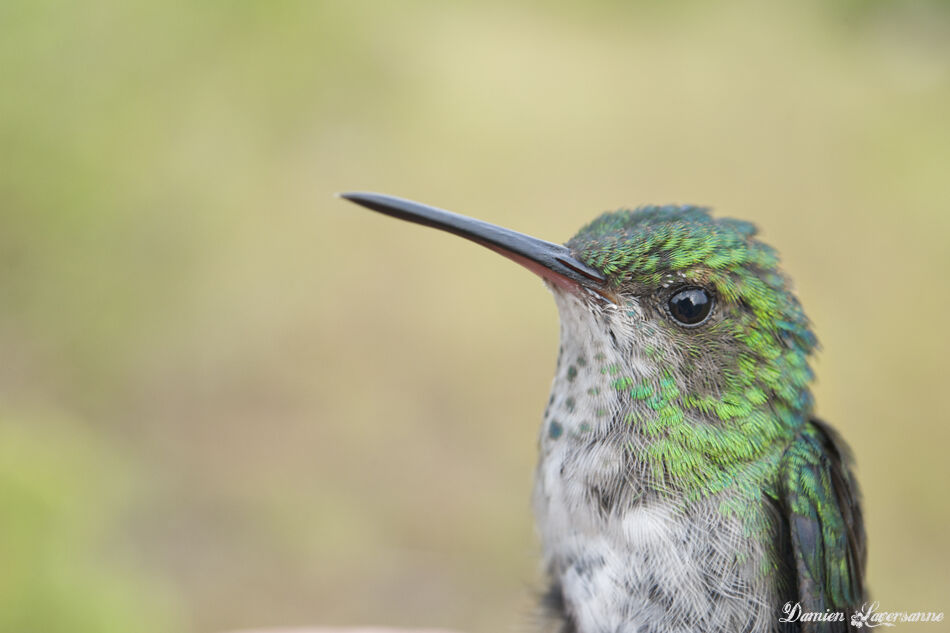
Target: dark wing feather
{"x": 820, "y": 498}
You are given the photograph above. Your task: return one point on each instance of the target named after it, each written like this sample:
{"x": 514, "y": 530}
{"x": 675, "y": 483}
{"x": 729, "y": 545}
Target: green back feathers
{"x": 825, "y": 525}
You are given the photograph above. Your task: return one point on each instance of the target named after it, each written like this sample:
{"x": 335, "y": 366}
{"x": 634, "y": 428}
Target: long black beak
{"x": 551, "y": 261}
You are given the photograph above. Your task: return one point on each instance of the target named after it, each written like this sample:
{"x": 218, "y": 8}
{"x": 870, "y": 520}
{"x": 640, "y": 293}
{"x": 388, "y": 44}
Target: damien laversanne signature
{"x": 870, "y": 615}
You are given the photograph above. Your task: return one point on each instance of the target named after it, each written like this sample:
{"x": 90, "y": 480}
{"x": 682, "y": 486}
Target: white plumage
{"x": 627, "y": 559}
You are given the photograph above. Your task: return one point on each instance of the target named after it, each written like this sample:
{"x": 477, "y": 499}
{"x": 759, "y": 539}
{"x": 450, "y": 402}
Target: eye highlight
{"x": 690, "y": 306}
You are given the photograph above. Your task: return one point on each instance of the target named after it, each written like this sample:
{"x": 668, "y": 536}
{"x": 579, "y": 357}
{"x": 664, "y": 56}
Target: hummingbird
{"x": 683, "y": 483}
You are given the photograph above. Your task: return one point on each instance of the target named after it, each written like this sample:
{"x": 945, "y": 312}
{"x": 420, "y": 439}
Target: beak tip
{"x": 363, "y": 199}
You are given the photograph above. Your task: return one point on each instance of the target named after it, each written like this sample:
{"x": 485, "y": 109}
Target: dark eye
{"x": 690, "y": 306}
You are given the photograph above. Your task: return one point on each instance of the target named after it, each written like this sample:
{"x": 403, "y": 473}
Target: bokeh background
{"x": 228, "y": 399}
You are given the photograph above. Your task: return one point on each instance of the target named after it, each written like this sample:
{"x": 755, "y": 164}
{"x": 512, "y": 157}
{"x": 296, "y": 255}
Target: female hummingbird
{"x": 683, "y": 483}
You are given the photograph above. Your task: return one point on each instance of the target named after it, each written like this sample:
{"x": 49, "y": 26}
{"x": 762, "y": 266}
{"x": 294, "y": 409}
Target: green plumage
{"x": 683, "y": 483}
{"x": 826, "y": 532}
{"x": 764, "y": 441}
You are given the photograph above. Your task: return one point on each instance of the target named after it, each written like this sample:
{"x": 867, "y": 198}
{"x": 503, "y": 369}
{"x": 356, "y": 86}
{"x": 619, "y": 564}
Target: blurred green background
{"x": 229, "y": 400}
